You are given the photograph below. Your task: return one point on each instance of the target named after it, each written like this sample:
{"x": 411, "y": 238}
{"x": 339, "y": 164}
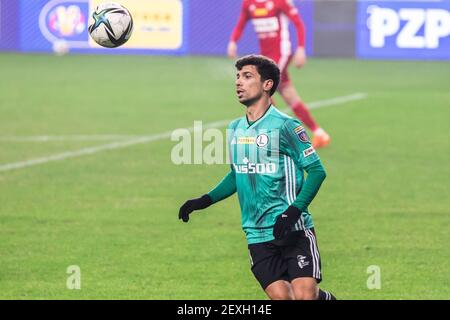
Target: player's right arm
{"x": 238, "y": 30}
{"x": 223, "y": 190}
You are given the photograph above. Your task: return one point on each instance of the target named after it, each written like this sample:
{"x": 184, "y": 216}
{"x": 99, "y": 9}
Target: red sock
{"x": 302, "y": 112}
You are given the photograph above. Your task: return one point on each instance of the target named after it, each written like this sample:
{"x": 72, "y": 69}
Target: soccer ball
{"x": 110, "y": 25}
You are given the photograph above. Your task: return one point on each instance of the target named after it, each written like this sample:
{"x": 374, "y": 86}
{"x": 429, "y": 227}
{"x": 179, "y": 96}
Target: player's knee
{"x": 281, "y": 296}
{"x": 297, "y": 105}
{"x": 294, "y": 106}
{"x": 279, "y": 291}
{"x": 305, "y": 294}
{"x": 292, "y": 100}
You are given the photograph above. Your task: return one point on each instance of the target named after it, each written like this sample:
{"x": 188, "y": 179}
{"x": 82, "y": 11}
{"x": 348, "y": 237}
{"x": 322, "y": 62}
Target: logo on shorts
{"x": 301, "y": 261}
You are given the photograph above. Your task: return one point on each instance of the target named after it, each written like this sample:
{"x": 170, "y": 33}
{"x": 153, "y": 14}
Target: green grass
{"x": 385, "y": 201}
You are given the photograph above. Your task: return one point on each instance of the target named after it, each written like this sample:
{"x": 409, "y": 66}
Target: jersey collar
{"x": 260, "y": 119}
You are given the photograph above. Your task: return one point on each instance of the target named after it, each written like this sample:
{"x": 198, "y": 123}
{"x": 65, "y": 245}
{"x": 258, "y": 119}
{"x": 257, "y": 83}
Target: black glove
{"x": 194, "y": 204}
{"x": 285, "y": 222}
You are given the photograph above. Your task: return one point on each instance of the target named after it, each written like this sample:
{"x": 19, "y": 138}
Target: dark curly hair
{"x": 266, "y": 67}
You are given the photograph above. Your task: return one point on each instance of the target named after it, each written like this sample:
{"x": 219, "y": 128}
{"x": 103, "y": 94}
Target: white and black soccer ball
{"x": 110, "y": 25}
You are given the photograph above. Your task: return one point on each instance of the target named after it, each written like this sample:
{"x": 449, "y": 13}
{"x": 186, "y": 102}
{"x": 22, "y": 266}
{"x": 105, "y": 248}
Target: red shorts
{"x": 283, "y": 64}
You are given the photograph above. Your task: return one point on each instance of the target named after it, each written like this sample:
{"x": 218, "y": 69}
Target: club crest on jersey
{"x": 262, "y": 140}
{"x": 301, "y": 134}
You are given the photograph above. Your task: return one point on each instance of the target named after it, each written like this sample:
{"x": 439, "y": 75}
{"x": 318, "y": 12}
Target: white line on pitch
{"x": 47, "y": 138}
{"x": 102, "y": 137}
{"x": 156, "y": 137}
{"x": 337, "y": 100}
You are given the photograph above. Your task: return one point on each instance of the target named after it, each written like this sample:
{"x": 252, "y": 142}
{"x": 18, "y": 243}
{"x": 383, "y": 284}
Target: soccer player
{"x": 269, "y": 153}
{"x": 270, "y": 22}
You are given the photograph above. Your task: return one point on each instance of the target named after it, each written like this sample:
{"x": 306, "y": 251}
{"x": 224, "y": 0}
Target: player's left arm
{"x": 288, "y": 8}
{"x": 296, "y": 144}
{"x": 316, "y": 175}
{"x": 298, "y": 147}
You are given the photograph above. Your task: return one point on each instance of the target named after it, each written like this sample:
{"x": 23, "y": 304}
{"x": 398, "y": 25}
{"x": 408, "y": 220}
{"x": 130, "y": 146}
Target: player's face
{"x": 249, "y": 87}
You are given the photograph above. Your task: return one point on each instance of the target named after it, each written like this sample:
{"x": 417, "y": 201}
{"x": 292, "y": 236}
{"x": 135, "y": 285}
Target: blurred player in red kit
{"x": 270, "y": 20}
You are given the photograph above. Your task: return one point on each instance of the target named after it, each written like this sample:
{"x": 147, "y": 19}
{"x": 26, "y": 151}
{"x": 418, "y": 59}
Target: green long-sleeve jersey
{"x": 268, "y": 159}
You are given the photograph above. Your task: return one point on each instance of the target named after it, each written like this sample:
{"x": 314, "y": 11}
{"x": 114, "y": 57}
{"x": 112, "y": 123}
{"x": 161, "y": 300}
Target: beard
{"x": 250, "y": 101}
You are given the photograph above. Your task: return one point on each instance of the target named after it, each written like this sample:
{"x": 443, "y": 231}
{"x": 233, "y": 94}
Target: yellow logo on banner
{"x": 158, "y": 24}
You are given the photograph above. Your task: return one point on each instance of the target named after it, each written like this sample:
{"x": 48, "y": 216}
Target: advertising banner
{"x": 159, "y": 26}
{"x": 403, "y": 29}
{"x": 9, "y": 25}
{"x": 201, "y": 27}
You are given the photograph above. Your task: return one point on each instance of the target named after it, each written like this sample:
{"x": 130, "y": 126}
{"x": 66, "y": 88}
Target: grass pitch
{"x": 114, "y": 213}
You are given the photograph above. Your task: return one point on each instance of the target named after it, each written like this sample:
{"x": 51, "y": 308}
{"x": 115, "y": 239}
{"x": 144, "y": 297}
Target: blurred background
{"x": 86, "y": 177}
{"x": 335, "y": 28}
